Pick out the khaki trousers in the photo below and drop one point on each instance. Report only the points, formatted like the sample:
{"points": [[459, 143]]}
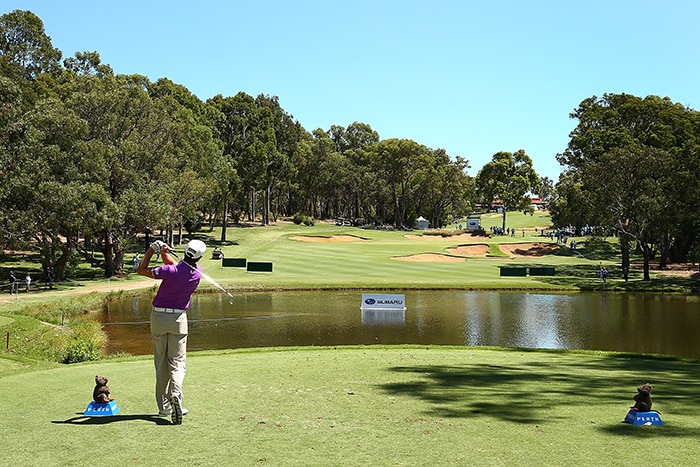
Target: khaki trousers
{"points": [[169, 333]]}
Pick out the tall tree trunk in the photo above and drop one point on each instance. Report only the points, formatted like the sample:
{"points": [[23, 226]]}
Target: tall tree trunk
{"points": [[625, 252], [109, 254], [266, 207], [647, 254], [119, 262], [665, 248], [253, 202], [225, 219], [61, 263], [148, 239], [114, 255], [397, 212]]}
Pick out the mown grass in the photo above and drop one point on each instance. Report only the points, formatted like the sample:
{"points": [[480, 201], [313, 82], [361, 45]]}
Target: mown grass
{"points": [[360, 406], [371, 262]]}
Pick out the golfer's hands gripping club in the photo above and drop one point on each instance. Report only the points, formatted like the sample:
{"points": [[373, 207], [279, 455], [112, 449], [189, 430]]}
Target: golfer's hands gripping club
{"points": [[158, 245]]}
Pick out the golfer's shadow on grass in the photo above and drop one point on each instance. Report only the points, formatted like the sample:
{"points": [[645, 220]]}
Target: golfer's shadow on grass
{"points": [[104, 420]]}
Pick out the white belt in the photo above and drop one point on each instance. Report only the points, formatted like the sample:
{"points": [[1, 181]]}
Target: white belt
{"points": [[168, 310]]}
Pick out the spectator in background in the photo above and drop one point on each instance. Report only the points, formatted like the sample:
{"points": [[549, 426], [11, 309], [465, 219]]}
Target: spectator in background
{"points": [[50, 276], [13, 283]]}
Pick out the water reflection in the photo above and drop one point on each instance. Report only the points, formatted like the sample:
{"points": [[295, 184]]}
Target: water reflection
{"points": [[594, 321], [384, 317]]}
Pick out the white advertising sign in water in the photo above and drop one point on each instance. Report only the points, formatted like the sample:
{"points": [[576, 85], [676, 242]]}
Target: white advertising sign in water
{"points": [[383, 301]]}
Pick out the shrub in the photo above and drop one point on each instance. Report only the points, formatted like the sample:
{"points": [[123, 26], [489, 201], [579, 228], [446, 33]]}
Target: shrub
{"points": [[87, 343], [80, 351], [300, 218]]}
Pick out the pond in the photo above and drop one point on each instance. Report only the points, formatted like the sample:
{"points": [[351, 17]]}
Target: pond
{"points": [[640, 323]]}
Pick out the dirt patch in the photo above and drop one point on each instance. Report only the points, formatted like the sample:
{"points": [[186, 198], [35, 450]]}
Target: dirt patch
{"points": [[671, 269], [664, 272], [141, 283], [529, 249], [479, 249], [451, 238], [333, 239], [431, 258]]}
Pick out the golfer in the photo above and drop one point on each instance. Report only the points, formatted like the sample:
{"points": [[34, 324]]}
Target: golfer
{"points": [[169, 321]]}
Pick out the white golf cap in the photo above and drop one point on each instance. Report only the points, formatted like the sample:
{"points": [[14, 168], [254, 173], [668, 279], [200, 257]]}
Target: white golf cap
{"points": [[195, 249]]}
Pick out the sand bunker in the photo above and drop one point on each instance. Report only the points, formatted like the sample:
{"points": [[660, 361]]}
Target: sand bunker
{"points": [[431, 257], [333, 239], [528, 249], [480, 249]]}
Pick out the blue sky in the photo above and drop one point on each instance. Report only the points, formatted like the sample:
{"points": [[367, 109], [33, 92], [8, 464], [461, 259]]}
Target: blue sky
{"points": [[472, 77]]}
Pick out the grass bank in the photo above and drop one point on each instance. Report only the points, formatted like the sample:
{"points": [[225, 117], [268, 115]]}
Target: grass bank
{"points": [[360, 406]]}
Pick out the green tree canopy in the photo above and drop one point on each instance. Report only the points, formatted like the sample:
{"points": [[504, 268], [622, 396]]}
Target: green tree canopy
{"points": [[621, 130], [509, 177], [25, 49]]}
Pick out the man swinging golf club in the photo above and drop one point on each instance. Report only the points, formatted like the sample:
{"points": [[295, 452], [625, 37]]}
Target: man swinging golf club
{"points": [[169, 321]]}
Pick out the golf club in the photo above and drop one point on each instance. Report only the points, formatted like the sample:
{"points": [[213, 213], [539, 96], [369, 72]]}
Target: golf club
{"points": [[204, 275]]}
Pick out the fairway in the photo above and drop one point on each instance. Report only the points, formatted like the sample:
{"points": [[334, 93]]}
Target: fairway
{"points": [[325, 256]]}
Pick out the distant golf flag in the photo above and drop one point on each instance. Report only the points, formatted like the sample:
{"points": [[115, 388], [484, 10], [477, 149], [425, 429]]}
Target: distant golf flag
{"points": [[383, 302]]}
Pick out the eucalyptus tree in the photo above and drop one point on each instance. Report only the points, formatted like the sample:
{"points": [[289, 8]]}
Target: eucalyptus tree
{"points": [[403, 165], [356, 136], [127, 134], [45, 198], [448, 193], [11, 131], [360, 135], [545, 190], [55, 194], [25, 53], [508, 177], [685, 184], [248, 137], [26, 50], [570, 204], [639, 127], [317, 163], [619, 120], [631, 191], [288, 134], [198, 156], [145, 144], [362, 191]]}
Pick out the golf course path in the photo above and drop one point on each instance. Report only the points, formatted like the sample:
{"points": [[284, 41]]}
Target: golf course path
{"points": [[84, 288]]}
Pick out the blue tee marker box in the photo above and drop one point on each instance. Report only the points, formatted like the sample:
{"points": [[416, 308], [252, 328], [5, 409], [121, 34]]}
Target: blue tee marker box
{"points": [[101, 410], [644, 418]]}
